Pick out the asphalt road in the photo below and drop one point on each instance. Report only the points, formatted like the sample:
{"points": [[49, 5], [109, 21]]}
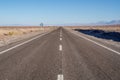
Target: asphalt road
{"points": [[59, 55]]}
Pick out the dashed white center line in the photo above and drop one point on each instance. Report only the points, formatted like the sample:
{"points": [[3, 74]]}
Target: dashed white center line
{"points": [[60, 34], [60, 39], [60, 47], [60, 77]]}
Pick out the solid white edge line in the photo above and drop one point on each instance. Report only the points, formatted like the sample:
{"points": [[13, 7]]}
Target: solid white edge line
{"points": [[60, 77], [60, 47], [99, 44], [21, 44]]}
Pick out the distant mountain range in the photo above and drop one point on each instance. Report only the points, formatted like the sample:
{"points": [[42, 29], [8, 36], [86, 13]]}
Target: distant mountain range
{"points": [[113, 22]]}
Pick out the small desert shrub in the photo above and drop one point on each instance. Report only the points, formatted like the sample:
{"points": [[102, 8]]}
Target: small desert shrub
{"points": [[5, 34], [31, 30], [10, 33], [24, 32]]}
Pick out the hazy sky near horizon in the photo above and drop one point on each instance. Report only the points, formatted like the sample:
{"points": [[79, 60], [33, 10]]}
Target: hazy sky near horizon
{"points": [[33, 12]]}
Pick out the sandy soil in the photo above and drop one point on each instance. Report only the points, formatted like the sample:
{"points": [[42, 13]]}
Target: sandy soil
{"points": [[115, 28], [12, 34]]}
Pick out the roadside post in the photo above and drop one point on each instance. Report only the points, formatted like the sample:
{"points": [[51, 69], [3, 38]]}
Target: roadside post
{"points": [[42, 26]]}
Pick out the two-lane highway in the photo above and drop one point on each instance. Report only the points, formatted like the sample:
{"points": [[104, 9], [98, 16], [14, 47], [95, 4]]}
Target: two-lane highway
{"points": [[59, 55]]}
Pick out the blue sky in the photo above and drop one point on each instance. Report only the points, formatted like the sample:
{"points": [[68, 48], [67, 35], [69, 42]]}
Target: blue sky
{"points": [[33, 12]]}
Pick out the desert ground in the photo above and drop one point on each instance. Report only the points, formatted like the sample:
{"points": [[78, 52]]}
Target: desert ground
{"points": [[109, 34], [9, 34], [115, 28]]}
